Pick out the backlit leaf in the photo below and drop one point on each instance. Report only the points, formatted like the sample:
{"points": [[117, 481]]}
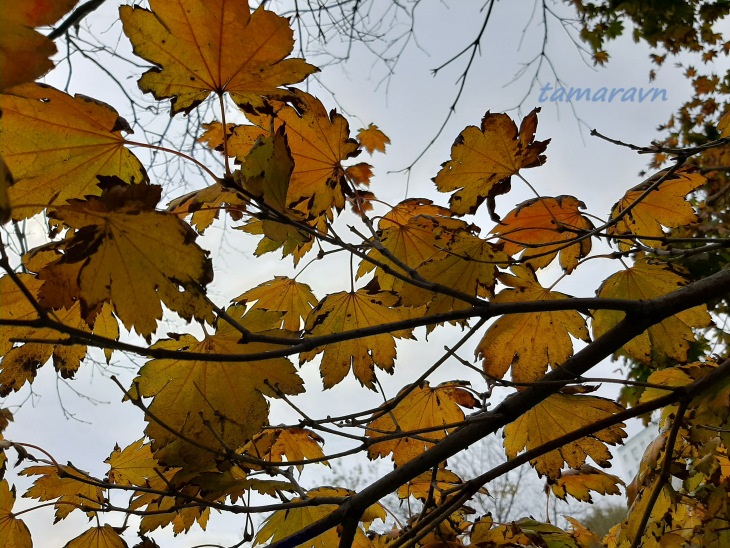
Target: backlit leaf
{"points": [[56, 146], [665, 206], [646, 280], [345, 311], [423, 407], [557, 416], [13, 531], [529, 343], [98, 537], [213, 402], [134, 465], [71, 494], [540, 221], [294, 299], [579, 483], [135, 257], [206, 204], [484, 159], [24, 52], [425, 485], [372, 139], [296, 444], [201, 47]]}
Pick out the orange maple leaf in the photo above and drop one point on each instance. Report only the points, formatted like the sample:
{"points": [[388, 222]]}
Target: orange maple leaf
{"points": [[372, 139]]}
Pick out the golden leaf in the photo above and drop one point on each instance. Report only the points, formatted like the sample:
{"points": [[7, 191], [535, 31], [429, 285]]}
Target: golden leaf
{"points": [[529, 343], [213, 46], [13, 531], [422, 408], [484, 159], [72, 494], [296, 444], [135, 257], [135, 465], [372, 139], [98, 537], [540, 221], [425, 485], [647, 280], [56, 146], [579, 483], [220, 405], [206, 204], [294, 299], [665, 206], [361, 309], [557, 416]]}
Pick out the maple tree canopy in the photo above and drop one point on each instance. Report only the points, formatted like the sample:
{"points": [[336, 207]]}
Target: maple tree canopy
{"points": [[123, 269]]}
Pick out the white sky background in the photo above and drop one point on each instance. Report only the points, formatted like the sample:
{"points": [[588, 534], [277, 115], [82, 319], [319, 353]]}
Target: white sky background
{"points": [[410, 113]]}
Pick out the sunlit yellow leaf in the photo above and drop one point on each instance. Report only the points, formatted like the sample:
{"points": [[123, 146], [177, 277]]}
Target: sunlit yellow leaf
{"points": [[98, 537], [529, 343], [579, 483], [56, 146], [557, 416], [202, 46], [294, 299], [372, 139], [296, 444], [484, 159], [423, 407], [71, 494], [132, 466], [13, 531], [649, 279]]}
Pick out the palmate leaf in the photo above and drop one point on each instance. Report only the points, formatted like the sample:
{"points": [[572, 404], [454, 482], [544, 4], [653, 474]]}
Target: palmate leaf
{"points": [[556, 416], [56, 146], [372, 139], [61, 486], [104, 536], [219, 46], [13, 531], [24, 52], [423, 407], [540, 221], [296, 444], [133, 256], [346, 311], [648, 279], [579, 483], [483, 159], [293, 299], [218, 404], [529, 343], [134, 465]]}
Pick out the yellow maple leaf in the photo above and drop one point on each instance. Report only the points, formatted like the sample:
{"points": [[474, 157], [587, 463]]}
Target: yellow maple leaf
{"points": [[56, 146], [372, 139], [206, 204], [484, 159], [213, 46], [467, 263], [345, 311], [557, 416], [665, 206], [423, 407], [724, 125], [540, 221], [412, 232], [13, 531], [529, 343], [211, 402], [296, 444], [282, 294], [72, 494], [283, 523], [135, 257], [104, 536], [648, 279], [425, 485], [24, 52], [134, 465], [579, 483]]}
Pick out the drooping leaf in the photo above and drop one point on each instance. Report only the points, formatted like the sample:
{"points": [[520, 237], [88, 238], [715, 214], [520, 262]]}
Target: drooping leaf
{"points": [[201, 47], [557, 416], [296, 444], [665, 206], [134, 465], [135, 257], [56, 146], [282, 294], [423, 407], [71, 494], [345, 311], [372, 139], [540, 221], [529, 343], [579, 483], [484, 159], [213, 402], [104, 536], [649, 279], [24, 52], [286, 522], [13, 531], [425, 485]]}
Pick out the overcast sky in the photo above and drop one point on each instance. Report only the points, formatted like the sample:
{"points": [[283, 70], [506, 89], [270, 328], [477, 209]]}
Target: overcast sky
{"points": [[410, 110]]}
